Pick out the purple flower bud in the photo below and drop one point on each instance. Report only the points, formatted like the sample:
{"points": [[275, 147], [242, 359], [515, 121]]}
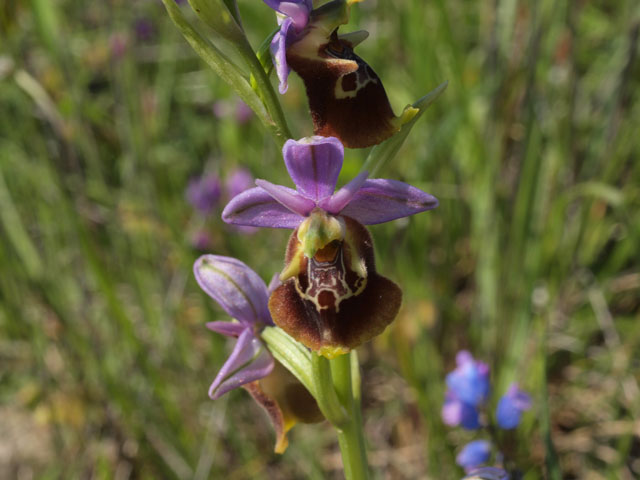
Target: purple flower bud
{"points": [[474, 454], [204, 192], [511, 406], [455, 412], [470, 380]]}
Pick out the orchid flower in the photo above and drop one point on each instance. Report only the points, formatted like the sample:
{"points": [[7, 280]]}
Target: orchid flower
{"points": [[243, 295], [346, 97], [332, 298]]}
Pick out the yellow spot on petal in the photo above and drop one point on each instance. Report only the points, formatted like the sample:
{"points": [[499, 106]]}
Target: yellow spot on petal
{"points": [[406, 116], [332, 351]]}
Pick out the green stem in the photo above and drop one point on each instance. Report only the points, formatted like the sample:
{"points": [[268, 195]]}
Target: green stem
{"points": [[328, 401], [350, 435], [268, 94]]}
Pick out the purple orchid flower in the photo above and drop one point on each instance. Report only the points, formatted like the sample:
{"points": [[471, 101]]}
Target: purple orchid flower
{"points": [[332, 299], [314, 164], [243, 295], [511, 406], [293, 17]]}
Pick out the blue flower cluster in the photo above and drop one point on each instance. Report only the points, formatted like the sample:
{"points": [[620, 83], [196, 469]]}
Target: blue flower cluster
{"points": [[468, 390]]}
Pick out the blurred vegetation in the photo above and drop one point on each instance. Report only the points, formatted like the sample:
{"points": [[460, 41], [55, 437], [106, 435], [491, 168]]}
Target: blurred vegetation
{"points": [[532, 260]]}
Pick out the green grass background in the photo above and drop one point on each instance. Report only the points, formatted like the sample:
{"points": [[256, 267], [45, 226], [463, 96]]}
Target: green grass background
{"points": [[532, 260]]}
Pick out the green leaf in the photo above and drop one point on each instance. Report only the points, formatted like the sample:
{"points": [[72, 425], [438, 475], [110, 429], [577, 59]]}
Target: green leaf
{"points": [[217, 15], [387, 150], [220, 63]]}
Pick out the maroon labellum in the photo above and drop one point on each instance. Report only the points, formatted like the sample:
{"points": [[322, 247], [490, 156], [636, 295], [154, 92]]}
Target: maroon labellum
{"points": [[335, 300], [346, 98]]}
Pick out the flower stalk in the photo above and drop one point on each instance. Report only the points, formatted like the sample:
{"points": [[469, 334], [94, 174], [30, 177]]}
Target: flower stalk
{"points": [[351, 434]]}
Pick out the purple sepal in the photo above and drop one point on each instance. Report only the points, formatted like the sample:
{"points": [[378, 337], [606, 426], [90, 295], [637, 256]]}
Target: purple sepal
{"points": [[382, 200], [256, 208], [238, 289], [278, 50], [474, 454], [288, 197], [470, 380], [249, 361], [229, 329], [455, 412], [314, 164], [510, 407]]}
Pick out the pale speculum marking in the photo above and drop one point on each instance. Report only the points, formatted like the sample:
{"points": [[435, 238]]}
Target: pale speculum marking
{"points": [[327, 283]]}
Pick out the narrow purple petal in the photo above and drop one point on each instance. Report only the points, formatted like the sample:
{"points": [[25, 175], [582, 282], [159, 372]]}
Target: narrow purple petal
{"points": [[278, 50], [314, 164], [229, 329], [336, 202], [256, 208], [288, 197], [238, 289], [382, 200], [249, 361]]}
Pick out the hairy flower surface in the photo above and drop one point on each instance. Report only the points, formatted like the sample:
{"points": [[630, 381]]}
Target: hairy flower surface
{"points": [[243, 295], [510, 407], [332, 298]]}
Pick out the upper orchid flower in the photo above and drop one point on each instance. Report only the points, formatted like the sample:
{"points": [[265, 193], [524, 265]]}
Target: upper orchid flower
{"points": [[243, 295], [332, 298], [346, 98], [293, 18]]}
